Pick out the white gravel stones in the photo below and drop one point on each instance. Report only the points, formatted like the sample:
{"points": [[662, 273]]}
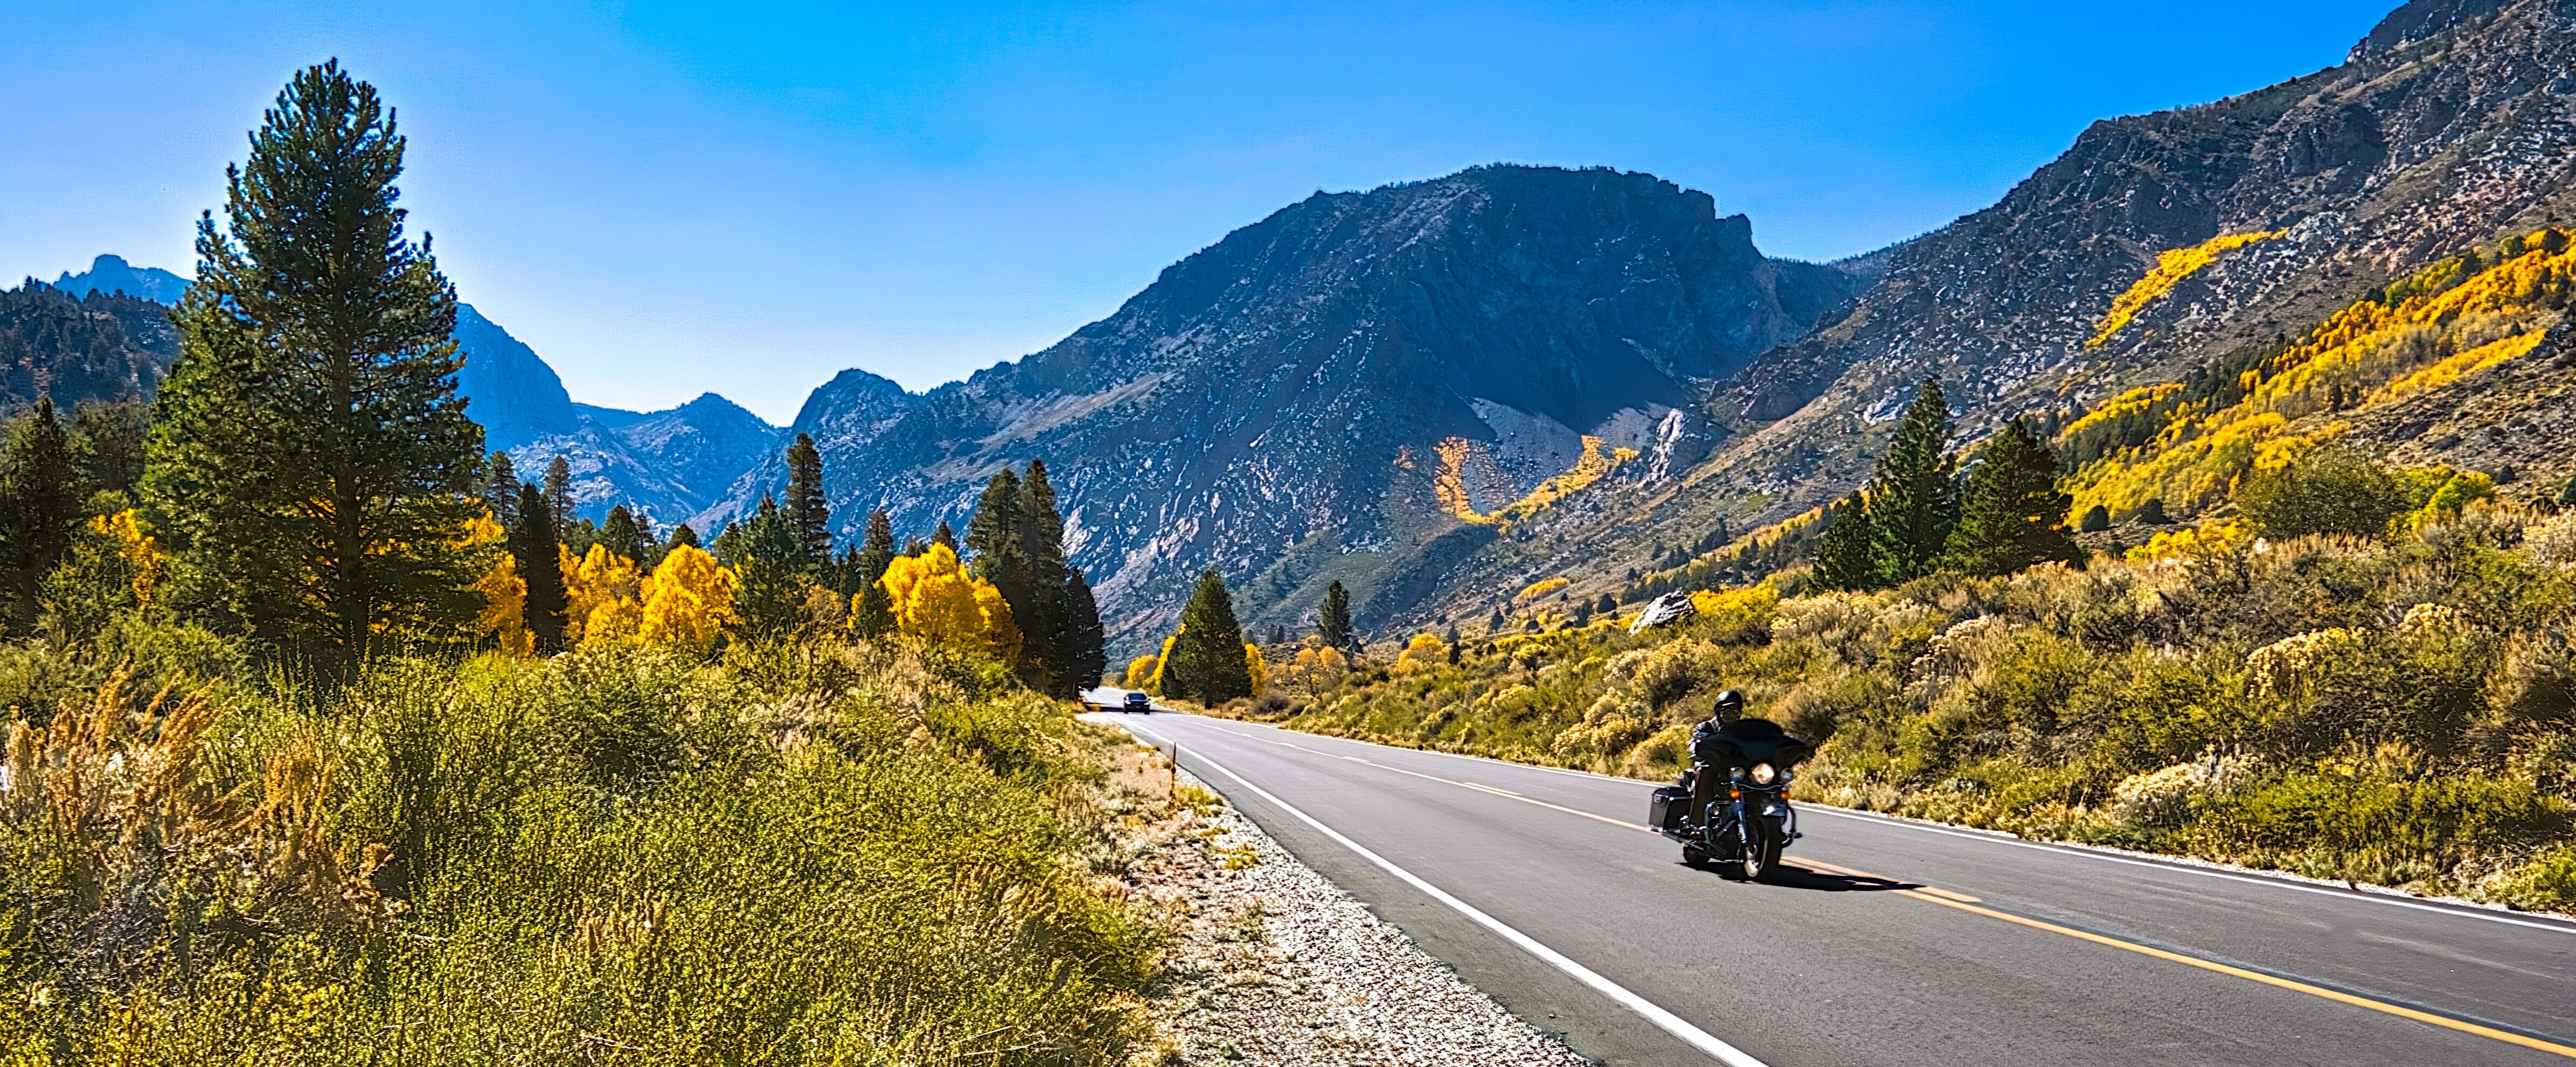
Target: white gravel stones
{"points": [[1272, 964]]}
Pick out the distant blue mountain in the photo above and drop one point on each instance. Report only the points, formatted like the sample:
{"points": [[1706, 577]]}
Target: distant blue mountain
{"points": [[112, 274], [666, 465]]}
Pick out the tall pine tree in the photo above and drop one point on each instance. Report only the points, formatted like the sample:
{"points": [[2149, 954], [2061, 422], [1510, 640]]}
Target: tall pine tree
{"points": [[1065, 620], [941, 536], [806, 509], [871, 610], [501, 489], [559, 496], [1333, 620], [2011, 514], [621, 534], [309, 452], [768, 559], [1914, 499], [1843, 554], [107, 443], [1085, 642], [533, 546], [1207, 662], [40, 506]]}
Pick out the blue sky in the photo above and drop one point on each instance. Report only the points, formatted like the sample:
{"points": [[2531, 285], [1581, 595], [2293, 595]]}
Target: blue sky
{"points": [[666, 199]]}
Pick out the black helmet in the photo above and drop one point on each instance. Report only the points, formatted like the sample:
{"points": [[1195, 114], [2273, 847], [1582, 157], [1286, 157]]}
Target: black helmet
{"points": [[1729, 706]]}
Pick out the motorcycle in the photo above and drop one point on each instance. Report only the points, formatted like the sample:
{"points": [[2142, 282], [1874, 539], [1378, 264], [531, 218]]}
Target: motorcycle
{"points": [[1749, 821]]}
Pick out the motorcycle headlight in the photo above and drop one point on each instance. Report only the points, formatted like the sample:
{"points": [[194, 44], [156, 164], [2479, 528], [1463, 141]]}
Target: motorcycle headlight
{"points": [[1765, 774]]}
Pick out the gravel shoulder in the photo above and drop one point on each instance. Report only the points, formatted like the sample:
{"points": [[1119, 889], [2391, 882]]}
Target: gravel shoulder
{"points": [[1271, 963]]}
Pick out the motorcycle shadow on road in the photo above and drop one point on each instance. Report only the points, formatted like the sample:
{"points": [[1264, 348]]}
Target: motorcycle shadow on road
{"points": [[1791, 876]]}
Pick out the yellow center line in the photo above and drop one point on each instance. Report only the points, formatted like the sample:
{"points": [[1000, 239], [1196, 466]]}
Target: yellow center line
{"points": [[1966, 903], [2399, 1010]]}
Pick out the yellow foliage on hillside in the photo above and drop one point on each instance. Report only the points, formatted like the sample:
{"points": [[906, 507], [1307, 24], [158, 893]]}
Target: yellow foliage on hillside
{"points": [[937, 601], [1542, 587], [1422, 653], [2132, 402], [1449, 485], [2172, 266], [2216, 538], [2423, 333]]}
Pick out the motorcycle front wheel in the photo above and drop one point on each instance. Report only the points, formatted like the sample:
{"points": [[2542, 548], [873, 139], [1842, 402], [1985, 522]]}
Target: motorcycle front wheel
{"points": [[1762, 847]]}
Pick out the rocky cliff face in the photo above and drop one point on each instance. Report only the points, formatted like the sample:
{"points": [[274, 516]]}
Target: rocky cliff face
{"points": [[1342, 389], [98, 346], [2453, 123]]}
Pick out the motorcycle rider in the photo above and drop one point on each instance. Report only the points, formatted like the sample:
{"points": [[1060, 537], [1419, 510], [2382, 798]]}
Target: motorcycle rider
{"points": [[1715, 769]]}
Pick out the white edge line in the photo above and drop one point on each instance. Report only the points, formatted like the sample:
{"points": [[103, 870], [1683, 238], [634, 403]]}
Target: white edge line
{"points": [[2465, 910], [1665, 1020]]}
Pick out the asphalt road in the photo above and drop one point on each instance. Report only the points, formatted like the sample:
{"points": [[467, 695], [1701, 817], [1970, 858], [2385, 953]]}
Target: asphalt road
{"points": [[1888, 942]]}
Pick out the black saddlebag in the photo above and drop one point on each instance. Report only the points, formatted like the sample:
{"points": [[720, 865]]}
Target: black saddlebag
{"points": [[1666, 810]]}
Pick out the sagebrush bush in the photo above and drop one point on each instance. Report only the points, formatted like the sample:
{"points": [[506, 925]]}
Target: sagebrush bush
{"points": [[846, 854]]}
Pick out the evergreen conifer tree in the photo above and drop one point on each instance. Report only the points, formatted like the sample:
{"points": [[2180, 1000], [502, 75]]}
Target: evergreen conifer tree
{"points": [[1333, 621], [681, 536], [2011, 514], [1049, 625], [1207, 661], [40, 507], [872, 613], [533, 545], [107, 443], [767, 557], [806, 507], [941, 536], [997, 540], [501, 489], [1914, 499], [876, 547], [1085, 643], [1843, 553], [621, 534], [309, 453], [559, 496]]}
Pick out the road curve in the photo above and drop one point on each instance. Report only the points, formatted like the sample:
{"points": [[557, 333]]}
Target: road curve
{"points": [[1888, 942]]}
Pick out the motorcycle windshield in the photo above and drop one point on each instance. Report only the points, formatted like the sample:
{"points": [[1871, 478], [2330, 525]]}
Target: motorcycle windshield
{"points": [[1750, 741]]}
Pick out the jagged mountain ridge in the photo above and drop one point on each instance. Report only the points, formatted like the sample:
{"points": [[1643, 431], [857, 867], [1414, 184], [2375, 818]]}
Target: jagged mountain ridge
{"points": [[106, 333], [2451, 125], [112, 274], [1274, 406]]}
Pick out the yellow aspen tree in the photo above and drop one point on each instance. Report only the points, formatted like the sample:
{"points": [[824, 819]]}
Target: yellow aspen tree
{"points": [[1252, 660], [1154, 683], [1141, 671], [504, 618], [936, 601], [688, 601], [142, 554], [600, 580]]}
